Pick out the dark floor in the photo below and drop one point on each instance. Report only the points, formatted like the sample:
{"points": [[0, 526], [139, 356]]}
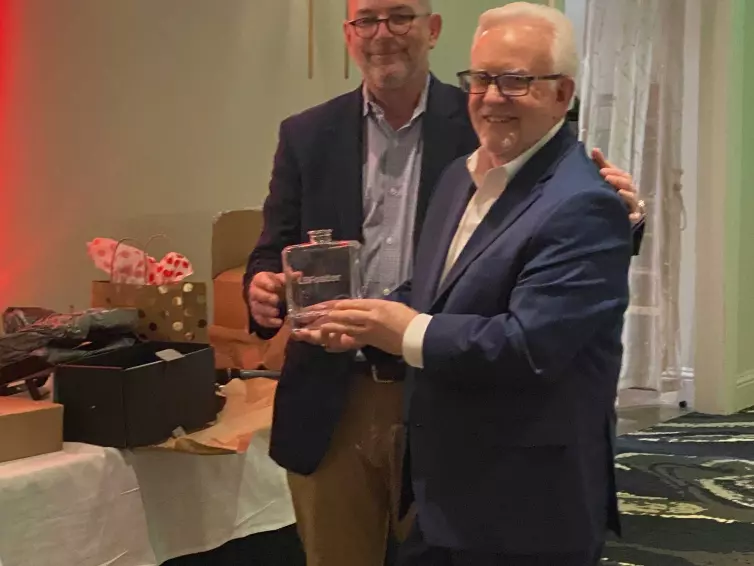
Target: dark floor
{"points": [[273, 548]]}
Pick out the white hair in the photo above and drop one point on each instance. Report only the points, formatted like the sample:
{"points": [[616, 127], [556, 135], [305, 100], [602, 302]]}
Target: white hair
{"points": [[565, 58]]}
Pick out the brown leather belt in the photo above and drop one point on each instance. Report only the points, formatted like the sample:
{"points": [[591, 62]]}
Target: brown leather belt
{"points": [[384, 372]]}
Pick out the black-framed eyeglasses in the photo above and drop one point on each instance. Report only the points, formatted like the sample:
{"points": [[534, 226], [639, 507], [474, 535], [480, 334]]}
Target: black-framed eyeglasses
{"points": [[509, 84], [397, 24]]}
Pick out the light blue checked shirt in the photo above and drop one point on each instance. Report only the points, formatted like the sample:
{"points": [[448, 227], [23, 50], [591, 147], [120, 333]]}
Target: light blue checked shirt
{"points": [[391, 175]]}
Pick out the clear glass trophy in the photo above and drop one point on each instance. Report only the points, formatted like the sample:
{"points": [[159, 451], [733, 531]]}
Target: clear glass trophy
{"points": [[319, 273]]}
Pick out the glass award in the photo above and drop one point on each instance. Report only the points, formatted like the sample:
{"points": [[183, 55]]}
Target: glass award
{"points": [[319, 273]]}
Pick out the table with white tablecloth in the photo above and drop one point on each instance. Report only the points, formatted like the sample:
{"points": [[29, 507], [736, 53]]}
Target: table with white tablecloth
{"points": [[93, 506]]}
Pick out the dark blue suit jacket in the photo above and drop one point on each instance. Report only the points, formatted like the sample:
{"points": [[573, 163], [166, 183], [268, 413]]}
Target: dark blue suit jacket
{"points": [[511, 421], [317, 184]]}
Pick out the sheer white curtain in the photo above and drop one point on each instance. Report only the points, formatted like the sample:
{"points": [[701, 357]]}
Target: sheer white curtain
{"points": [[631, 107]]}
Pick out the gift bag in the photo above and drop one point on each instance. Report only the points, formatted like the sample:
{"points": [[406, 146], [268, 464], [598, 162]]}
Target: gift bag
{"points": [[169, 308]]}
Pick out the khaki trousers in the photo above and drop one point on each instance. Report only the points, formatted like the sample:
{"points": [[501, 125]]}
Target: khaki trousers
{"points": [[346, 508]]}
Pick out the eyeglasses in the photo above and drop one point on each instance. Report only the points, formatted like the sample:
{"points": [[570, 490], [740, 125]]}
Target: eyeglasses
{"points": [[478, 82], [397, 24]]}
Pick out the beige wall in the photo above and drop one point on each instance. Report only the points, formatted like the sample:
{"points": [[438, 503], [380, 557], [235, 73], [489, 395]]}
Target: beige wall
{"points": [[130, 118], [138, 117]]}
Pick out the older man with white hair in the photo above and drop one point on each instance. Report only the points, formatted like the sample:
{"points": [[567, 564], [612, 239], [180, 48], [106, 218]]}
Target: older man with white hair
{"points": [[512, 322]]}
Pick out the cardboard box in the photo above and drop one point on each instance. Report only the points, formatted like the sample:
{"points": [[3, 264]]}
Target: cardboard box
{"points": [[29, 428], [138, 396], [229, 306], [234, 235]]}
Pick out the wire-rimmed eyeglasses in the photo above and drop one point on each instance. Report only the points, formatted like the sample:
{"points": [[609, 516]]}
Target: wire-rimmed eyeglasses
{"points": [[509, 84]]}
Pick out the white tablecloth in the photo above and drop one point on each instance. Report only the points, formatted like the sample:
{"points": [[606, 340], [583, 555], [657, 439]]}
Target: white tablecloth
{"points": [[92, 506]]}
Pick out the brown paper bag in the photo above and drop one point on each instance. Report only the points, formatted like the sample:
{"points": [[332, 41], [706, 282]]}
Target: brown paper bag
{"points": [[174, 313], [171, 312]]}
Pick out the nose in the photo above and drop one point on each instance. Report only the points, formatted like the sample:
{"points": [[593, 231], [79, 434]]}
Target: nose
{"points": [[382, 31], [493, 95]]}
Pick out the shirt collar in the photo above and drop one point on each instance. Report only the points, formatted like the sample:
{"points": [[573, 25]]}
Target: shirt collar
{"points": [[479, 167], [371, 105]]}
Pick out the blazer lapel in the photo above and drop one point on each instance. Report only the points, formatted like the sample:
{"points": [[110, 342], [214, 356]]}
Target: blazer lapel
{"points": [[347, 149], [440, 244], [520, 194]]}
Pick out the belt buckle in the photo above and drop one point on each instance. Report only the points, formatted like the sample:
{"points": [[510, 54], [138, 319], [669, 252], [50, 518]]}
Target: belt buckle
{"points": [[376, 375]]}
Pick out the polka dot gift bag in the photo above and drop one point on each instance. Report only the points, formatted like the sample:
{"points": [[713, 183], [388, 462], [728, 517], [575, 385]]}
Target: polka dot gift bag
{"points": [[170, 308]]}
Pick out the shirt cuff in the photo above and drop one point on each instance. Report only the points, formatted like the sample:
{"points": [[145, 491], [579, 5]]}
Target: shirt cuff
{"points": [[413, 340]]}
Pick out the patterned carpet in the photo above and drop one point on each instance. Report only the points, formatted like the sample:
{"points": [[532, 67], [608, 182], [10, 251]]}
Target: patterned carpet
{"points": [[687, 493]]}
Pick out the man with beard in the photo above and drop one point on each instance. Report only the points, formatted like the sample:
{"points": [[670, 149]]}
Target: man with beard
{"points": [[364, 165]]}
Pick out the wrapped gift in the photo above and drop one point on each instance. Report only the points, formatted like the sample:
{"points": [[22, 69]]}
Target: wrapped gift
{"points": [[169, 308]]}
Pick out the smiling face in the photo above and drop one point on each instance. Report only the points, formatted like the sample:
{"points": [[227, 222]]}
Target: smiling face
{"points": [[508, 126], [387, 60]]}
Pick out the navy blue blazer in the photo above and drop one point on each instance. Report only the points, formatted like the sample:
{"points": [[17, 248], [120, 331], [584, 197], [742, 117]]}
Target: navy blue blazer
{"points": [[317, 184], [511, 421]]}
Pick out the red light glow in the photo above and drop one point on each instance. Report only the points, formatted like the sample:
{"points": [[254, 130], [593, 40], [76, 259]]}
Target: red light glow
{"points": [[10, 257]]}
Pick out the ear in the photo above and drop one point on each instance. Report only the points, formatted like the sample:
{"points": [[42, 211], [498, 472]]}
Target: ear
{"points": [[348, 33], [565, 91], [435, 27]]}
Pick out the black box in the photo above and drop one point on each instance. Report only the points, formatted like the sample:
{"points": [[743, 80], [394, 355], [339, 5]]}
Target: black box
{"points": [[133, 397]]}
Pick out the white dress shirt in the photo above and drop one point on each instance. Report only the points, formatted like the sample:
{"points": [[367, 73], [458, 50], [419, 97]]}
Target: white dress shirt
{"points": [[490, 183]]}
